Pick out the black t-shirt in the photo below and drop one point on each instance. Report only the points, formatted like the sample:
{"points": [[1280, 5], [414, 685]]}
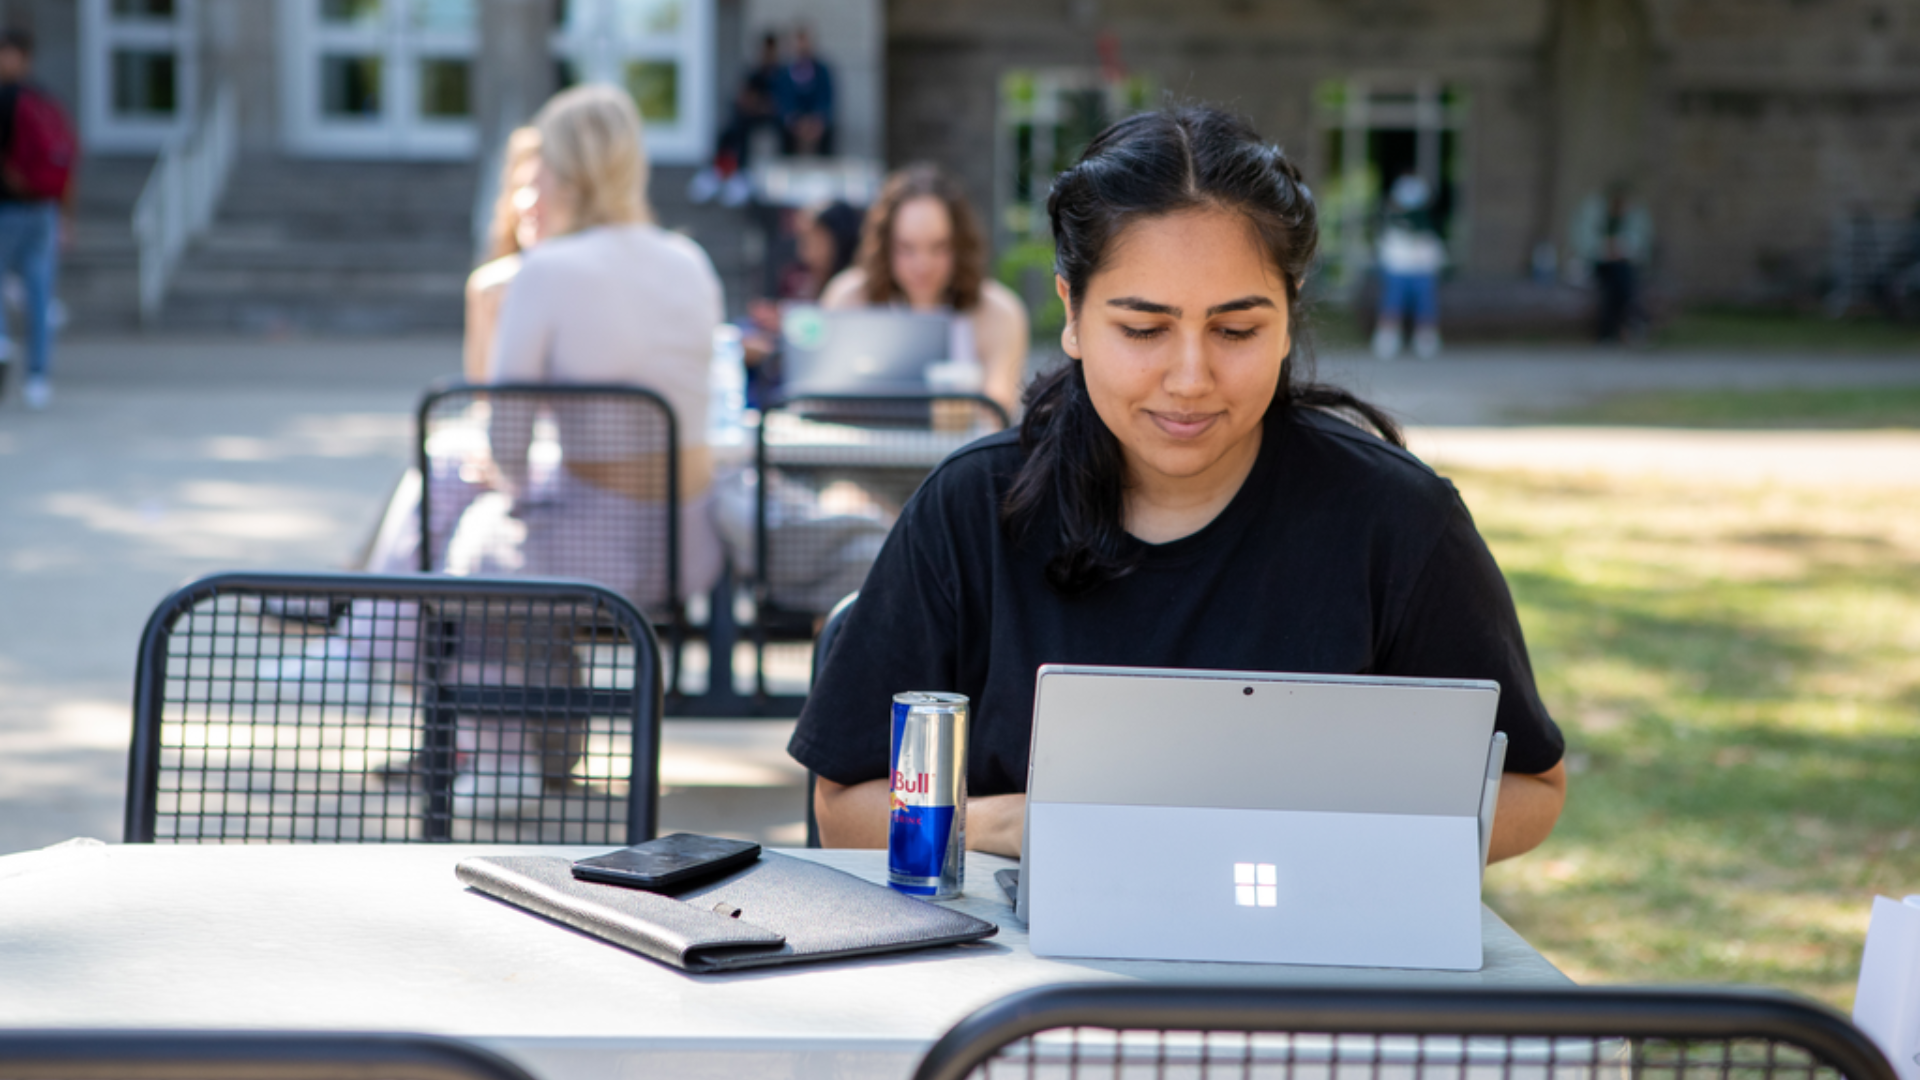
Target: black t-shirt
{"points": [[1339, 555]]}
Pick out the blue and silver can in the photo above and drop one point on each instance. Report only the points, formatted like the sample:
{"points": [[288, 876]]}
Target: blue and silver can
{"points": [[927, 835]]}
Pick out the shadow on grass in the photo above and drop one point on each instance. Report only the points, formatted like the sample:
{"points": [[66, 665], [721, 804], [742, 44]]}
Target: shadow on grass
{"points": [[1715, 653], [1816, 409]]}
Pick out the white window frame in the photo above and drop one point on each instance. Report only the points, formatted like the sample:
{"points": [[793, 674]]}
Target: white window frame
{"points": [[399, 132], [100, 35], [597, 52]]}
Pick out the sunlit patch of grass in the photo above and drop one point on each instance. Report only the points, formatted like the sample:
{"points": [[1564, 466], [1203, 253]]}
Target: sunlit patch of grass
{"points": [[1738, 674]]}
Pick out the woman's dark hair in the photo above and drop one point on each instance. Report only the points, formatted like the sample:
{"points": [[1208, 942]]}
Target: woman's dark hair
{"points": [[842, 222], [1151, 165]]}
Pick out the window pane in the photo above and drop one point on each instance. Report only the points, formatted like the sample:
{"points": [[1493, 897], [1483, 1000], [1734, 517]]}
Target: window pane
{"points": [[445, 89], [568, 15], [143, 9], [566, 72], [655, 86], [646, 18], [454, 15], [143, 83], [350, 87], [350, 11]]}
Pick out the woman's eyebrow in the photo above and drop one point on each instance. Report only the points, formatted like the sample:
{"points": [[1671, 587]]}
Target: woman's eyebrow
{"points": [[1148, 307], [1134, 303], [1245, 303]]}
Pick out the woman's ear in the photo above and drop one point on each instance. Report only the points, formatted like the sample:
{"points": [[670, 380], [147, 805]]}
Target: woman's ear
{"points": [[1070, 333]]}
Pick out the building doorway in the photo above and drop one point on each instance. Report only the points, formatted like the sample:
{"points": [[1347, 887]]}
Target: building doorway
{"points": [[1371, 135], [138, 72], [380, 78], [660, 51]]}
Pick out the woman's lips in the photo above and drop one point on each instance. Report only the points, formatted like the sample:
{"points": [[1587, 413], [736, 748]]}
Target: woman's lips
{"points": [[1184, 425]]}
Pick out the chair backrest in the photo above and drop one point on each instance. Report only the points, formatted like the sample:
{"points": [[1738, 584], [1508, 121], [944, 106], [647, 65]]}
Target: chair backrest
{"points": [[602, 461], [252, 1055], [355, 708], [829, 464], [1350, 1033], [822, 645]]}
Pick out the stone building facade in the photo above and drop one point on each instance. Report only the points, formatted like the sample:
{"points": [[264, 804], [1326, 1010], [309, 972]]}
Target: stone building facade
{"points": [[1749, 127], [1746, 126]]}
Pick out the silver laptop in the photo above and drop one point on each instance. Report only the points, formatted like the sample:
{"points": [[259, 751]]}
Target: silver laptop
{"points": [[1259, 817], [860, 352]]}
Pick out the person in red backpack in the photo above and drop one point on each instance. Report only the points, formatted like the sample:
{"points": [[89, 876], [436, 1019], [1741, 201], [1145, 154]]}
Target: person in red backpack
{"points": [[37, 155]]}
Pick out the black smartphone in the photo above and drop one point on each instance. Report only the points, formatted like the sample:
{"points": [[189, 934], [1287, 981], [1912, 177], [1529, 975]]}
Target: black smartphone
{"points": [[679, 859]]}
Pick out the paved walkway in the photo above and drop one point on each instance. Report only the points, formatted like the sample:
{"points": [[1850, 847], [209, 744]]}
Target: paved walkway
{"points": [[160, 461]]}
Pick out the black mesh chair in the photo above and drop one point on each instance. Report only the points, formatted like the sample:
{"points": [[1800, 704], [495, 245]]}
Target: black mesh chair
{"points": [[601, 464], [355, 708], [835, 472], [252, 1055], [823, 648], [1348, 1033]]}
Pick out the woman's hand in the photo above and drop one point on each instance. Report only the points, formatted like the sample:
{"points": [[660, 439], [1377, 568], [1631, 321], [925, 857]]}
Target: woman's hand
{"points": [[857, 816]]}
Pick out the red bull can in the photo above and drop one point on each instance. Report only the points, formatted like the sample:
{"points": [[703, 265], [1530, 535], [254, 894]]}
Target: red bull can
{"points": [[927, 835]]}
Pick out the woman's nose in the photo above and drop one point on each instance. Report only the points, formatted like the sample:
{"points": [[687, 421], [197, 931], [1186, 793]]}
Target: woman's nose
{"points": [[1190, 374]]}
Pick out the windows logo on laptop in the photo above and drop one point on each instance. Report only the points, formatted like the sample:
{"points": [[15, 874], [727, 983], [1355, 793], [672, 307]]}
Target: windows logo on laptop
{"points": [[1258, 817]]}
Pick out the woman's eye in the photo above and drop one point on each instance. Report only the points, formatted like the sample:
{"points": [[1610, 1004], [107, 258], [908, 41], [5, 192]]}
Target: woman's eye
{"points": [[1238, 334], [1140, 333]]}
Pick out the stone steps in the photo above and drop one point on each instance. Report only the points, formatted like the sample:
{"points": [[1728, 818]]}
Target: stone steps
{"points": [[332, 247]]}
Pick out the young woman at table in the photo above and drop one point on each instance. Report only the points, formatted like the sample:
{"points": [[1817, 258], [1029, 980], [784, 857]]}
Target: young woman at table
{"points": [[1178, 495], [921, 248]]}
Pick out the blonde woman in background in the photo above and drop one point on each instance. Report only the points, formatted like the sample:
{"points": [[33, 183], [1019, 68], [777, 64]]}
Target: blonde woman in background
{"points": [[607, 297], [922, 248], [395, 548]]}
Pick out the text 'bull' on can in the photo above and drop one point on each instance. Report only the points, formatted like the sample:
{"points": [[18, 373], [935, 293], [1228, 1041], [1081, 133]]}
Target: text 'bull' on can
{"points": [[927, 831]]}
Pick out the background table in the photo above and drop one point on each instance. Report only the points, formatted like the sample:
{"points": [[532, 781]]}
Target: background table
{"points": [[385, 938]]}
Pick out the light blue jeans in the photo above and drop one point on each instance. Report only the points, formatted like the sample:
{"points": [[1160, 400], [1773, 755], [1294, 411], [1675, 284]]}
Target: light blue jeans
{"points": [[30, 247]]}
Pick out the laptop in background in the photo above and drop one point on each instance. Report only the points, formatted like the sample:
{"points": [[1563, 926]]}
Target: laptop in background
{"points": [[1258, 817], [874, 351]]}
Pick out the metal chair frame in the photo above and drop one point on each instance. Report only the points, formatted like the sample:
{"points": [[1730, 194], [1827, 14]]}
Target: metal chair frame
{"points": [[763, 628], [1678, 1015], [249, 1055], [676, 621], [443, 698], [822, 649]]}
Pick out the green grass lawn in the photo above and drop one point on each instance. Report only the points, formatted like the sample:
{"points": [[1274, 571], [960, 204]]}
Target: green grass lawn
{"points": [[1738, 675], [1859, 407], [1784, 329]]}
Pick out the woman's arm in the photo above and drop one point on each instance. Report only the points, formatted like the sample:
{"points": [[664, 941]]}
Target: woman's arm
{"points": [[1529, 806], [857, 815], [848, 289], [1002, 336], [522, 338]]}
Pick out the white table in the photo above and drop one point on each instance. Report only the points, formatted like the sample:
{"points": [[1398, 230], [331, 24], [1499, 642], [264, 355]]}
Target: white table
{"points": [[385, 938]]}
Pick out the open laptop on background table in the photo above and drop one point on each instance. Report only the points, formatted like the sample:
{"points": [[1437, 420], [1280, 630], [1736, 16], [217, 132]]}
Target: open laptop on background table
{"points": [[1299, 819], [866, 351]]}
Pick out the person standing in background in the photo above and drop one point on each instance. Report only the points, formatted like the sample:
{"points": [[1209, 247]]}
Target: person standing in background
{"points": [[37, 155], [1613, 235], [1411, 255], [805, 93]]}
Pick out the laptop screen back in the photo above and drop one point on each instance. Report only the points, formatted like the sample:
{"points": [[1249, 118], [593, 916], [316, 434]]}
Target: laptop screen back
{"points": [[868, 351], [1357, 799]]}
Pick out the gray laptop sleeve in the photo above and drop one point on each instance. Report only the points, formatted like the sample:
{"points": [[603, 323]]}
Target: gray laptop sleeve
{"points": [[779, 910]]}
